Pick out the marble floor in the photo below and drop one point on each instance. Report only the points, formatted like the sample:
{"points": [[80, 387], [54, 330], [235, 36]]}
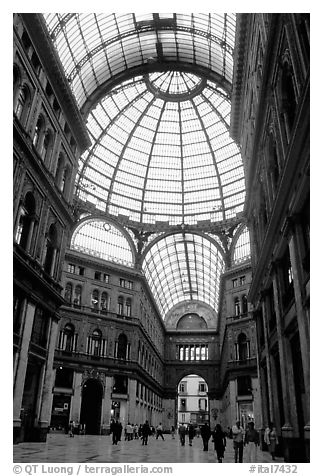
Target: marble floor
{"points": [[60, 448]]}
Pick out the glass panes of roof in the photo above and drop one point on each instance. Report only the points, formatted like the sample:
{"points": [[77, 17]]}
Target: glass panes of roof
{"points": [[242, 247], [161, 152], [182, 267], [102, 240], [94, 48]]}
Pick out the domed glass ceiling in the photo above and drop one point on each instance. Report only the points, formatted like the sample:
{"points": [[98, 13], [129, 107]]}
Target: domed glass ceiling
{"points": [[161, 152], [155, 91]]}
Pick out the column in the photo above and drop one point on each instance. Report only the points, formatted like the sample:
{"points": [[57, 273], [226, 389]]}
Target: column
{"points": [[302, 318], [265, 317], [283, 357], [106, 405], [76, 397], [47, 390], [132, 383], [19, 382]]}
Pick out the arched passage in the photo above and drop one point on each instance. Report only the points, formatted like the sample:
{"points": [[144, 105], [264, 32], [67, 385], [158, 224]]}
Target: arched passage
{"points": [[91, 406], [192, 401]]}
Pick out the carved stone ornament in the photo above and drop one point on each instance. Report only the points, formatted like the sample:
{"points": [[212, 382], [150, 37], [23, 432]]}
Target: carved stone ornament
{"points": [[93, 374]]}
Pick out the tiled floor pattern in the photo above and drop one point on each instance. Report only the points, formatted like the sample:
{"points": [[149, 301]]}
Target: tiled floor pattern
{"points": [[61, 448]]}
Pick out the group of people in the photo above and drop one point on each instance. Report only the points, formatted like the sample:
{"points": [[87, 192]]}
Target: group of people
{"points": [[218, 438], [244, 441], [133, 432], [250, 440]]}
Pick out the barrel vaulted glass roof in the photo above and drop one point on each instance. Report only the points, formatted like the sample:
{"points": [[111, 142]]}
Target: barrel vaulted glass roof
{"points": [[184, 266], [155, 91]]}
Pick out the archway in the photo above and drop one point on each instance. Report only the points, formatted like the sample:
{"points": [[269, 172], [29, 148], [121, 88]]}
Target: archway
{"points": [[91, 406], [192, 401]]}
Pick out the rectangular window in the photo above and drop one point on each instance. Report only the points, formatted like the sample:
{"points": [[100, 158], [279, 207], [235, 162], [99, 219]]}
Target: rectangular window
{"points": [[202, 404], [70, 268], [202, 387], [106, 278], [242, 280], [182, 387], [124, 283], [183, 404], [97, 275], [234, 283], [81, 271]]}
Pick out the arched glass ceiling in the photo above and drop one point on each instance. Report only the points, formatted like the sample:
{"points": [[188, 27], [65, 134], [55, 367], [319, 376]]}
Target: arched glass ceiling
{"points": [[95, 48], [103, 240], [183, 267], [161, 152]]}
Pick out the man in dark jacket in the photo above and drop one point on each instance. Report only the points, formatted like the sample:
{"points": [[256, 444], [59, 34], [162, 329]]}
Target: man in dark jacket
{"points": [[145, 432], [116, 430], [205, 434]]}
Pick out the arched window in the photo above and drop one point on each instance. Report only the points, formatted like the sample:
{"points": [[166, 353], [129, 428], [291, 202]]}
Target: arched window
{"points": [[120, 305], [78, 296], [45, 146], [104, 302], [24, 229], [39, 131], [95, 300], [236, 306], [122, 346], [128, 307], [59, 169], [64, 179], [69, 337], [243, 347], [68, 292], [22, 104], [244, 303], [51, 249], [97, 341]]}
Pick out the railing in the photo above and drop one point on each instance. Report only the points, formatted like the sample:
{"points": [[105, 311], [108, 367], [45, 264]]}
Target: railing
{"points": [[37, 267], [102, 312], [233, 364]]}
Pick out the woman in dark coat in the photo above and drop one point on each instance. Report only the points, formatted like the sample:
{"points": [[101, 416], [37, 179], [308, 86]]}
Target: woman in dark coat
{"points": [[219, 442]]}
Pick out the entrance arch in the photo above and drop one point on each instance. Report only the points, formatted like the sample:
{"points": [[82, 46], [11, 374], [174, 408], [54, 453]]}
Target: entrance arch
{"points": [[91, 406], [192, 401]]}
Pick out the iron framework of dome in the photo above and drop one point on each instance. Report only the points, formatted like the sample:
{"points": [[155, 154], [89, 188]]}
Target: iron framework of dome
{"points": [[161, 151], [155, 92]]}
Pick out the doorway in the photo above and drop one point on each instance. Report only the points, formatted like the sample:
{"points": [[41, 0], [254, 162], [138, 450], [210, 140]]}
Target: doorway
{"points": [[91, 407]]}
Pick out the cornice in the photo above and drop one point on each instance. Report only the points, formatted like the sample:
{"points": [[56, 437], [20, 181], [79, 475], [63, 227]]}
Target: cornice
{"points": [[240, 63], [54, 69]]}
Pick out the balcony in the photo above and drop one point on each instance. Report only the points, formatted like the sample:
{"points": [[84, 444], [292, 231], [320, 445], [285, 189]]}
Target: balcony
{"points": [[241, 364]]}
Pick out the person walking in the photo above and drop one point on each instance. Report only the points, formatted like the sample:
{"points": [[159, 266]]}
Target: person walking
{"points": [[205, 434], [219, 441], [115, 431], [129, 432], [145, 431], [172, 432], [71, 428], [182, 433], [135, 432], [191, 433], [271, 439], [251, 443], [237, 436], [159, 431]]}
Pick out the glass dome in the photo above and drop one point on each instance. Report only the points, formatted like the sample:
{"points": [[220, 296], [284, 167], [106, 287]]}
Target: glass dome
{"points": [[161, 152]]}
